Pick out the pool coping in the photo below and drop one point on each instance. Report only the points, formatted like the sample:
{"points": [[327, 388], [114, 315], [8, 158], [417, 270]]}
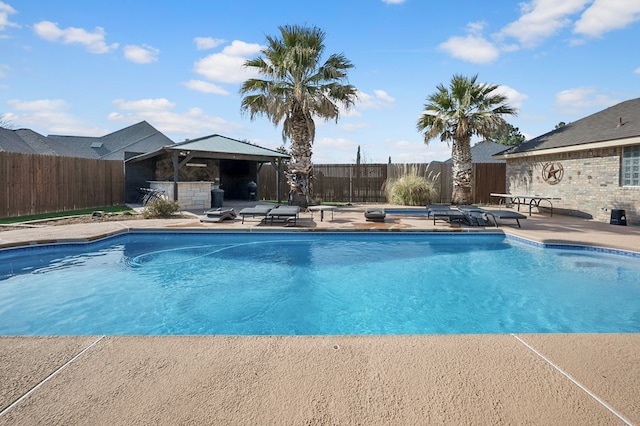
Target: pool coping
{"points": [[453, 232]]}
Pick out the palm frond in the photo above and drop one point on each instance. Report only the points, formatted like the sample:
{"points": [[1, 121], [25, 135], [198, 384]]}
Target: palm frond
{"points": [[463, 109], [293, 77]]}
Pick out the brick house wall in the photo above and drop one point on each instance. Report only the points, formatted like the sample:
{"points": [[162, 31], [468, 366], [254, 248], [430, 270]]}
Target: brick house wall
{"points": [[590, 186]]}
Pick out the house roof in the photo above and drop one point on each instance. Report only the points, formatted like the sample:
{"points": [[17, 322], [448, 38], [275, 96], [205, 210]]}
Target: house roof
{"points": [[27, 141], [220, 147], [136, 142], [133, 140], [130, 141], [482, 152], [619, 124]]}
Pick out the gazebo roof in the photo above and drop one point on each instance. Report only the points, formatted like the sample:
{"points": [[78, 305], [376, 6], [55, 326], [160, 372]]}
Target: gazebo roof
{"points": [[217, 147]]}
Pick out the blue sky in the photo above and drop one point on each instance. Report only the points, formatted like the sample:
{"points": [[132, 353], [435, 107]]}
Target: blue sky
{"points": [[92, 67]]}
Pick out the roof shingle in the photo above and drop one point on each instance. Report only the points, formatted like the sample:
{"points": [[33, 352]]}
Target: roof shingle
{"points": [[621, 121]]}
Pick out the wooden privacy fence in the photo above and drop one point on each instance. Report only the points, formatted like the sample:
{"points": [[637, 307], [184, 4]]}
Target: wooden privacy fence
{"points": [[364, 183], [34, 184]]}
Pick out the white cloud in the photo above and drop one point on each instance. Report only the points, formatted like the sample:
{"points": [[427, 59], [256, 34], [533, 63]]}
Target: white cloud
{"points": [[141, 54], [49, 116], [338, 150], [204, 43], [541, 19], [384, 96], [94, 41], [637, 70], [205, 87], [39, 105], [393, 1], [193, 122], [227, 66], [579, 100], [607, 15], [416, 151], [334, 150], [159, 104], [5, 11], [379, 99], [514, 98], [472, 48], [350, 127]]}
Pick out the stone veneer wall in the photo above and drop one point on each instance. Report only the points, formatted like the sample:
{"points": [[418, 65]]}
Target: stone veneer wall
{"points": [[590, 187], [191, 195]]}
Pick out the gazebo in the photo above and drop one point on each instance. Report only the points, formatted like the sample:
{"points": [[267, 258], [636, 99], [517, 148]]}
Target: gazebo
{"points": [[189, 171]]}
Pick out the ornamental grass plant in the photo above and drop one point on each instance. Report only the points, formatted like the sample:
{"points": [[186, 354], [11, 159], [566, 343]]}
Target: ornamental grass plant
{"points": [[411, 189]]}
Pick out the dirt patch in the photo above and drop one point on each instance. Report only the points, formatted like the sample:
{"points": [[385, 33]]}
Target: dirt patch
{"points": [[79, 219]]}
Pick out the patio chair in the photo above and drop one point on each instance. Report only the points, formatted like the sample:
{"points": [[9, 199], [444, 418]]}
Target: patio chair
{"points": [[437, 207], [474, 216], [258, 210], [375, 214], [287, 213], [504, 214], [445, 213], [218, 215], [148, 195]]}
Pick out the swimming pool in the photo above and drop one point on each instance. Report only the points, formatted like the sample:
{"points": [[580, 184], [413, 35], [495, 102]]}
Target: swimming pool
{"points": [[310, 283]]}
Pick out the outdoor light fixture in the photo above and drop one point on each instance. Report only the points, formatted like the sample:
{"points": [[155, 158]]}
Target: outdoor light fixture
{"points": [[196, 165]]}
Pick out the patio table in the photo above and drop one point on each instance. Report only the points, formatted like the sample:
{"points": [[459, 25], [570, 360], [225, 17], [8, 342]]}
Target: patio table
{"points": [[322, 209], [534, 200]]}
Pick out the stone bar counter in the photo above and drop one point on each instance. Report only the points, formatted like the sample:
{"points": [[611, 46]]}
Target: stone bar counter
{"points": [[191, 195]]}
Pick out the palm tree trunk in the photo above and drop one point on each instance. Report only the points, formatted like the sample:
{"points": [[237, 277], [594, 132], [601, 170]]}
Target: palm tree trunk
{"points": [[300, 170], [462, 170]]}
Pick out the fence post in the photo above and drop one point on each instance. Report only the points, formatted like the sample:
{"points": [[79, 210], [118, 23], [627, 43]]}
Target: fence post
{"points": [[350, 185]]}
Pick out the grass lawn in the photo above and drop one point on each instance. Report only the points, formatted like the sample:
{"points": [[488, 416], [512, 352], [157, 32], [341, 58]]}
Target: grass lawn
{"points": [[110, 209]]}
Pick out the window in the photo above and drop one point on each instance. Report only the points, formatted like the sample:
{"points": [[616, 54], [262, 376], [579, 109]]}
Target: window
{"points": [[631, 166]]}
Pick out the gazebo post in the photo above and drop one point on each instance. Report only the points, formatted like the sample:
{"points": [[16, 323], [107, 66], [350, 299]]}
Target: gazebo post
{"points": [[278, 177], [176, 167]]}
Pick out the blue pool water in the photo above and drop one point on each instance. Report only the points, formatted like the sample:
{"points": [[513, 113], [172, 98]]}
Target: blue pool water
{"points": [[315, 283]]}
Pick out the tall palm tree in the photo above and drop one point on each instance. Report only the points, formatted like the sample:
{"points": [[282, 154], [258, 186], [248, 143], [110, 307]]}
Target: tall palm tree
{"points": [[297, 87], [457, 113]]}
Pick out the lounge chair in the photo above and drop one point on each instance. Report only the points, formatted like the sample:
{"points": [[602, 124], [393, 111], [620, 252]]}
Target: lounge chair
{"points": [[286, 213], [445, 213], [504, 214], [375, 214], [474, 216], [437, 207], [259, 210], [218, 215]]}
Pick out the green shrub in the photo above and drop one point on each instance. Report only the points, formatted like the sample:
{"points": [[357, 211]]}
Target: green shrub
{"points": [[410, 190], [160, 208]]}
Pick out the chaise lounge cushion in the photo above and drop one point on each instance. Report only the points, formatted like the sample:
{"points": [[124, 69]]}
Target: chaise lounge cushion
{"points": [[444, 212], [287, 213], [432, 208], [218, 215], [375, 214], [474, 216], [504, 214], [258, 210]]}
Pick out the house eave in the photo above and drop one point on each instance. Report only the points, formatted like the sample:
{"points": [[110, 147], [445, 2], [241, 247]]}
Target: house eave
{"points": [[572, 148]]}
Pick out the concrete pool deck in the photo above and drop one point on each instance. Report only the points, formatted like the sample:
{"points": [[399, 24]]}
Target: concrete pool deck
{"points": [[248, 380]]}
